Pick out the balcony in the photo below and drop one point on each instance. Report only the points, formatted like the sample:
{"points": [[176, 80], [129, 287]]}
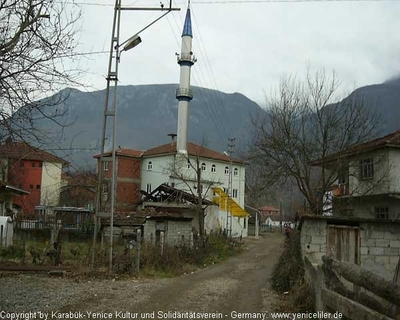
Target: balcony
{"points": [[341, 190], [184, 93], [186, 57]]}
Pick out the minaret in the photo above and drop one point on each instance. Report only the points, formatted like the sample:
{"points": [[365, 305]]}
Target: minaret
{"points": [[186, 59]]}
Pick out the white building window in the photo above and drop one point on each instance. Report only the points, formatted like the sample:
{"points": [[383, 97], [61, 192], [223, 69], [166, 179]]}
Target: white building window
{"points": [[236, 172], [105, 165], [203, 167], [150, 165], [234, 193], [213, 168], [148, 188], [226, 170], [382, 213], [367, 168]]}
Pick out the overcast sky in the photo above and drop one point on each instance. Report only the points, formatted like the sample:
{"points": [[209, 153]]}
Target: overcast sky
{"points": [[247, 47]]}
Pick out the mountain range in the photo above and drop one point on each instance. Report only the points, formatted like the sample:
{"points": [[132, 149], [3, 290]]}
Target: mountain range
{"points": [[148, 113]]}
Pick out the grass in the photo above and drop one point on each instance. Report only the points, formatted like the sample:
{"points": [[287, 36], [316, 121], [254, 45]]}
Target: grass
{"points": [[174, 261]]}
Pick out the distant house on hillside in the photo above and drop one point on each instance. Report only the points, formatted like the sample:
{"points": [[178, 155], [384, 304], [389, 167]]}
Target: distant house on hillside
{"points": [[268, 211], [368, 183], [33, 170]]}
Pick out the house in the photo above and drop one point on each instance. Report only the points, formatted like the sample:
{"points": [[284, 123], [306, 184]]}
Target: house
{"points": [[368, 181], [78, 190], [163, 167], [172, 227], [128, 178], [34, 170], [268, 211], [222, 180]]}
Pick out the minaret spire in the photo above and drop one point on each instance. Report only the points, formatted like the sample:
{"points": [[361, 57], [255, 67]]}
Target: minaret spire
{"points": [[186, 59]]}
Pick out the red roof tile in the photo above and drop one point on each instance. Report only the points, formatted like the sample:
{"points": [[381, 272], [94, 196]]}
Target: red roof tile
{"points": [[21, 150], [193, 150], [133, 153], [390, 140], [268, 208]]}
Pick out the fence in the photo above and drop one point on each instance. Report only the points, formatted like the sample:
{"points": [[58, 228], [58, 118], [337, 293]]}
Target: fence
{"points": [[353, 291]]}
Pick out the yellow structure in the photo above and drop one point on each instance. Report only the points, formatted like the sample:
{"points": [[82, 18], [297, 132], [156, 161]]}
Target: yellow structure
{"points": [[226, 203]]}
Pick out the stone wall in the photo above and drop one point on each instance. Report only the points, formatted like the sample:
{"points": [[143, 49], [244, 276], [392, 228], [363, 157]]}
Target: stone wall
{"points": [[176, 232], [313, 239], [379, 242], [380, 248]]}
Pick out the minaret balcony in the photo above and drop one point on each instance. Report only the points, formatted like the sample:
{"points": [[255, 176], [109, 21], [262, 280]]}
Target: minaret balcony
{"points": [[184, 93], [186, 57]]}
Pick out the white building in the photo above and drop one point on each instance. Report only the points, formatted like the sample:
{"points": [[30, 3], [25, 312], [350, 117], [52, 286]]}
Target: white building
{"points": [[369, 179], [165, 165]]}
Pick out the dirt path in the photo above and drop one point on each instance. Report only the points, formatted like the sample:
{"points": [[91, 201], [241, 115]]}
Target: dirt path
{"points": [[239, 284]]}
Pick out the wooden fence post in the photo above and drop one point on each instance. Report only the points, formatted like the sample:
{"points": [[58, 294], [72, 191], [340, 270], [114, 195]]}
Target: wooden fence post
{"points": [[138, 243]]}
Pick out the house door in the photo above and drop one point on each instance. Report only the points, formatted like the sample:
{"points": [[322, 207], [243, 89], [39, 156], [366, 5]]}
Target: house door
{"points": [[343, 244]]}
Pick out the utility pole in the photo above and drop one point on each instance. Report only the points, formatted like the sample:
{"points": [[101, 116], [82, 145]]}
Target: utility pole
{"points": [[231, 147], [110, 117]]}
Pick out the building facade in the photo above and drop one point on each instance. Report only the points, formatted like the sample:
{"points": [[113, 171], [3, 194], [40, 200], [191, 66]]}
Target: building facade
{"points": [[33, 170]]}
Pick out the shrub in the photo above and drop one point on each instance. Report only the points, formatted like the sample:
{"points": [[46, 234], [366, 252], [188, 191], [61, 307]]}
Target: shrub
{"points": [[289, 268]]}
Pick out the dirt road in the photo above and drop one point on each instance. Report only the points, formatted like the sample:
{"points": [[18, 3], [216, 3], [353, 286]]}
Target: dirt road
{"points": [[239, 284]]}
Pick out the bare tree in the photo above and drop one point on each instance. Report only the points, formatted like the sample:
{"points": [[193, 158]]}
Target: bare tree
{"points": [[304, 123], [187, 171], [37, 43]]}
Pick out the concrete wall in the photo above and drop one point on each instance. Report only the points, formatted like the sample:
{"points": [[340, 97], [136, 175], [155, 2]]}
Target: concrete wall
{"points": [[176, 232], [379, 245], [380, 248], [379, 184], [51, 184], [364, 207], [313, 239]]}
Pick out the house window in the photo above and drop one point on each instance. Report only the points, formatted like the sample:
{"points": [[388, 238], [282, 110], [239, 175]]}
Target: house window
{"points": [[226, 170], [105, 166], [225, 190], [38, 187], [105, 188], [234, 193], [148, 187], [236, 172], [31, 187], [150, 165], [382, 213], [367, 168], [32, 164], [213, 168], [203, 166], [40, 165], [21, 164]]}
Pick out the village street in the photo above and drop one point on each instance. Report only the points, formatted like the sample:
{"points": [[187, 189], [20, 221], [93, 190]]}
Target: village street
{"points": [[239, 284]]}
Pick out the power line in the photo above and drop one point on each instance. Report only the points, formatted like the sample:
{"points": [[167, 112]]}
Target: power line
{"points": [[283, 1]]}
